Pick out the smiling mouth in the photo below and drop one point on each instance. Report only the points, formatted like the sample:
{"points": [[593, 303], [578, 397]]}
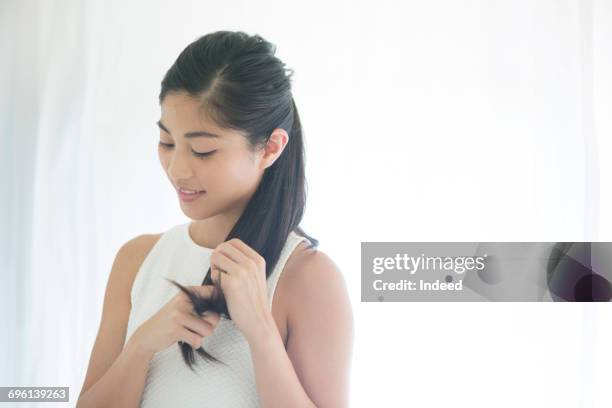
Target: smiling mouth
{"points": [[192, 192]]}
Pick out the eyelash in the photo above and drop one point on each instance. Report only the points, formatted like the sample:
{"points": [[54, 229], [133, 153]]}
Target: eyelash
{"points": [[197, 154]]}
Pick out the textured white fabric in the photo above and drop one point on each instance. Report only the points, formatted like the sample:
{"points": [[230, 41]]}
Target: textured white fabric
{"points": [[169, 382]]}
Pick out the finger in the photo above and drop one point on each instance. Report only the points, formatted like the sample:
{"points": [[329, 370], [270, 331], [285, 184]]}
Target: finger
{"points": [[206, 291], [214, 274], [230, 250], [226, 281], [194, 339], [197, 325], [181, 299], [247, 250], [221, 261], [211, 317]]}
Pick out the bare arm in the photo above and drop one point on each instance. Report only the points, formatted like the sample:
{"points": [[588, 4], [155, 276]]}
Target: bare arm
{"points": [[116, 374], [122, 384], [314, 369]]}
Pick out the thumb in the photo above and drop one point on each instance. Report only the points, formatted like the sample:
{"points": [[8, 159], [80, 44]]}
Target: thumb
{"points": [[206, 291], [215, 275]]}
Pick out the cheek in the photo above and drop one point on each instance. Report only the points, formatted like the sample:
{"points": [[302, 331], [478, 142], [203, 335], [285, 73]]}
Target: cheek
{"points": [[163, 159], [237, 174]]}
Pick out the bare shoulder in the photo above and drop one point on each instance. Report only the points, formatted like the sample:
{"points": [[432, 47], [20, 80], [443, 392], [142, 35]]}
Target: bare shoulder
{"points": [[313, 281], [310, 265], [136, 249], [130, 257]]}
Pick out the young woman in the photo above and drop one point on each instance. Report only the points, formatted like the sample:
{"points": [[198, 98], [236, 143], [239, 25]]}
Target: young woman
{"points": [[241, 284]]}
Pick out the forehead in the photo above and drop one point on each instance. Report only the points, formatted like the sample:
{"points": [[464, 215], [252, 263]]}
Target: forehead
{"points": [[181, 113]]}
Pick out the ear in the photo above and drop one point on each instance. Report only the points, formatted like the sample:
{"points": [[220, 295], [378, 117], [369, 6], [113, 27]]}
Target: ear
{"points": [[274, 147]]}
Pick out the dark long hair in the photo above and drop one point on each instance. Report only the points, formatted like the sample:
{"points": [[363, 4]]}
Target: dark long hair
{"points": [[242, 85]]}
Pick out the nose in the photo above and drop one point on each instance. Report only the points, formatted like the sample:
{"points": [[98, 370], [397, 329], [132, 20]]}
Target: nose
{"points": [[178, 167]]}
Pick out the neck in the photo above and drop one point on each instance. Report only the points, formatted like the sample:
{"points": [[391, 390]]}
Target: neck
{"points": [[211, 232]]}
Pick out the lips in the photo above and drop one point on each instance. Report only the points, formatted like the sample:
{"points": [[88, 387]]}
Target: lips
{"points": [[188, 191], [189, 195]]}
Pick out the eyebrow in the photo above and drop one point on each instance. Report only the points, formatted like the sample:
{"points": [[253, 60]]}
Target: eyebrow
{"points": [[189, 134]]}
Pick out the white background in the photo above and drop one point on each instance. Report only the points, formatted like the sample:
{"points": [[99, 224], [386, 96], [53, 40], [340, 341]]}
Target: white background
{"points": [[424, 121]]}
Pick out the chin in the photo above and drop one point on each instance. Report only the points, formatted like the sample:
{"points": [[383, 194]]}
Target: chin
{"points": [[195, 214]]}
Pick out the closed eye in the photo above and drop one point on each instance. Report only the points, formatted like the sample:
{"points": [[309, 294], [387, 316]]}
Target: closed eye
{"points": [[197, 154]]}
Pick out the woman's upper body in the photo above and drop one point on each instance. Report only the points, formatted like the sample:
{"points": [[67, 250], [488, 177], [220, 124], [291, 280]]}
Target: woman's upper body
{"points": [[309, 304], [231, 145]]}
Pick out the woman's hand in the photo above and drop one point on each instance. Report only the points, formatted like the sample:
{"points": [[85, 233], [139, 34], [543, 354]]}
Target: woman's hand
{"points": [[241, 272], [176, 321]]}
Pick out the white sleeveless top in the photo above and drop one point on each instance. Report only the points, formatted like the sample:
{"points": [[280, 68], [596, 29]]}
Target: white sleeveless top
{"points": [[169, 382]]}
